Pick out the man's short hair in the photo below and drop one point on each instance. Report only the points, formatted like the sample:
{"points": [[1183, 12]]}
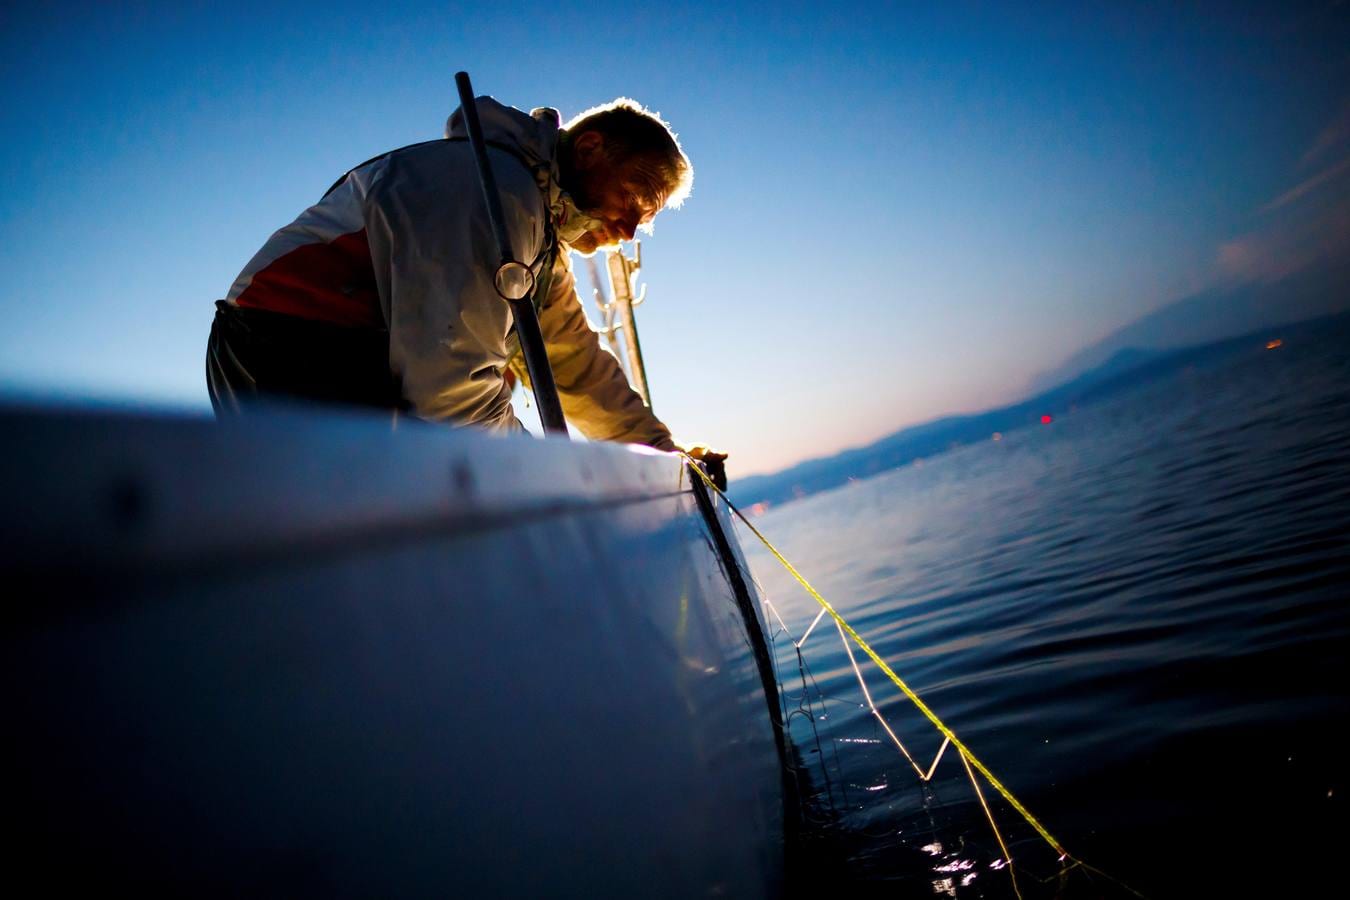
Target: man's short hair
{"points": [[641, 138]]}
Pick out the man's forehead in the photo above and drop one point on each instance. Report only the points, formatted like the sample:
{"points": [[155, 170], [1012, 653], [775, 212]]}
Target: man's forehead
{"points": [[646, 196], [647, 205]]}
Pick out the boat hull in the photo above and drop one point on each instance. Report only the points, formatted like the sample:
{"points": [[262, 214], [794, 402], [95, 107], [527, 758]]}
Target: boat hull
{"points": [[305, 654]]}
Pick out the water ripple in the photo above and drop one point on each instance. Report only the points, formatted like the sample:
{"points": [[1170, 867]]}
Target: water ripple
{"points": [[1137, 617]]}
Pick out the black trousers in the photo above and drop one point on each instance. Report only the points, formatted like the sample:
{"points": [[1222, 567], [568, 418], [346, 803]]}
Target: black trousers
{"points": [[255, 355]]}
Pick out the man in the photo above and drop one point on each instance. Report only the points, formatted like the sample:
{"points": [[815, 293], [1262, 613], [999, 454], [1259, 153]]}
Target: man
{"points": [[382, 294]]}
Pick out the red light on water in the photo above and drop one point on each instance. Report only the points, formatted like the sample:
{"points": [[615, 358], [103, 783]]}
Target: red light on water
{"points": [[1047, 419]]}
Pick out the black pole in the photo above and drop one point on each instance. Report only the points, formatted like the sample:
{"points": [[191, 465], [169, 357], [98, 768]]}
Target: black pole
{"points": [[759, 647], [512, 276]]}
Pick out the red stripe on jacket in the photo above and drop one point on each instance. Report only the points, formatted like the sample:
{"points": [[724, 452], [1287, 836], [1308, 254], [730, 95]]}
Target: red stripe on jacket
{"points": [[331, 282]]}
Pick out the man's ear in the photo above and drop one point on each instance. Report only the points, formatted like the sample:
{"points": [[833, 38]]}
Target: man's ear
{"points": [[588, 149]]}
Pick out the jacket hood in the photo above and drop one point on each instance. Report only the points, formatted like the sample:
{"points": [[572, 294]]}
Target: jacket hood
{"points": [[535, 136]]}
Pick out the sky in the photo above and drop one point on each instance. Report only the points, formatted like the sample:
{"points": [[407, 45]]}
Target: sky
{"points": [[899, 212]]}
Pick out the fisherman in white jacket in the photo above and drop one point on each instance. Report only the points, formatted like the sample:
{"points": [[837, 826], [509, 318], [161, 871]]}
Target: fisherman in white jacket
{"points": [[382, 293]]}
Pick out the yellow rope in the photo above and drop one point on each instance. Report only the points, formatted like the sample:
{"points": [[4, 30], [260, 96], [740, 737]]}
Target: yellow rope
{"points": [[898, 681]]}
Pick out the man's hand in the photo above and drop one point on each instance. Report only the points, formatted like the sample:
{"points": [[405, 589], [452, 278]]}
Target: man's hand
{"points": [[713, 460]]}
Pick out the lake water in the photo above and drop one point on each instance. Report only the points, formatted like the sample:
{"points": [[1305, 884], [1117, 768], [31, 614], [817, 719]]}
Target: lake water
{"points": [[1136, 616]]}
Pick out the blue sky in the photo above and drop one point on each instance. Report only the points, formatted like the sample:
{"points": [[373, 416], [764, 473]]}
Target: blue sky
{"points": [[899, 212]]}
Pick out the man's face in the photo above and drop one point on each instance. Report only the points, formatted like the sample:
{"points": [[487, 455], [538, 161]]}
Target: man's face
{"points": [[604, 191]]}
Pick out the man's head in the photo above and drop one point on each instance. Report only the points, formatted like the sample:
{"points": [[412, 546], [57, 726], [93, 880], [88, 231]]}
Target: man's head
{"points": [[622, 165]]}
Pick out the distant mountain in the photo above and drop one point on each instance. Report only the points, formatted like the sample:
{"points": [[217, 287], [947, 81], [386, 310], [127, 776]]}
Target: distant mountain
{"points": [[1215, 315], [1121, 361], [1127, 367]]}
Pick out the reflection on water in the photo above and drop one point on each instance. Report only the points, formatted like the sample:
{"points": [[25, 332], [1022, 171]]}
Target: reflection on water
{"points": [[1135, 616]]}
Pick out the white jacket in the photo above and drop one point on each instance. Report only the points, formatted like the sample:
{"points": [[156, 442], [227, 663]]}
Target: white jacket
{"points": [[403, 243]]}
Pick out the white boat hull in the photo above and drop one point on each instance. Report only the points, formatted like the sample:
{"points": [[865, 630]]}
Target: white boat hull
{"points": [[295, 654]]}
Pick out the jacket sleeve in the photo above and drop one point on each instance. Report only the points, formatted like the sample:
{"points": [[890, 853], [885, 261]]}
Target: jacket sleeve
{"points": [[595, 394], [434, 258]]}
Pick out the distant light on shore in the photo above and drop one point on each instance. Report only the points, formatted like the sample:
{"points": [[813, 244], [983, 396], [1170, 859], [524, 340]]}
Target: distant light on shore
{"points": [[1047, 419], [1271, 345]]}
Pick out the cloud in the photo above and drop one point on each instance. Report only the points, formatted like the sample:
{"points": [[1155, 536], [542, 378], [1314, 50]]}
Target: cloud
{"points": [[1294, 243], [1308, 185], [1305, 225], [1335, 134]]}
